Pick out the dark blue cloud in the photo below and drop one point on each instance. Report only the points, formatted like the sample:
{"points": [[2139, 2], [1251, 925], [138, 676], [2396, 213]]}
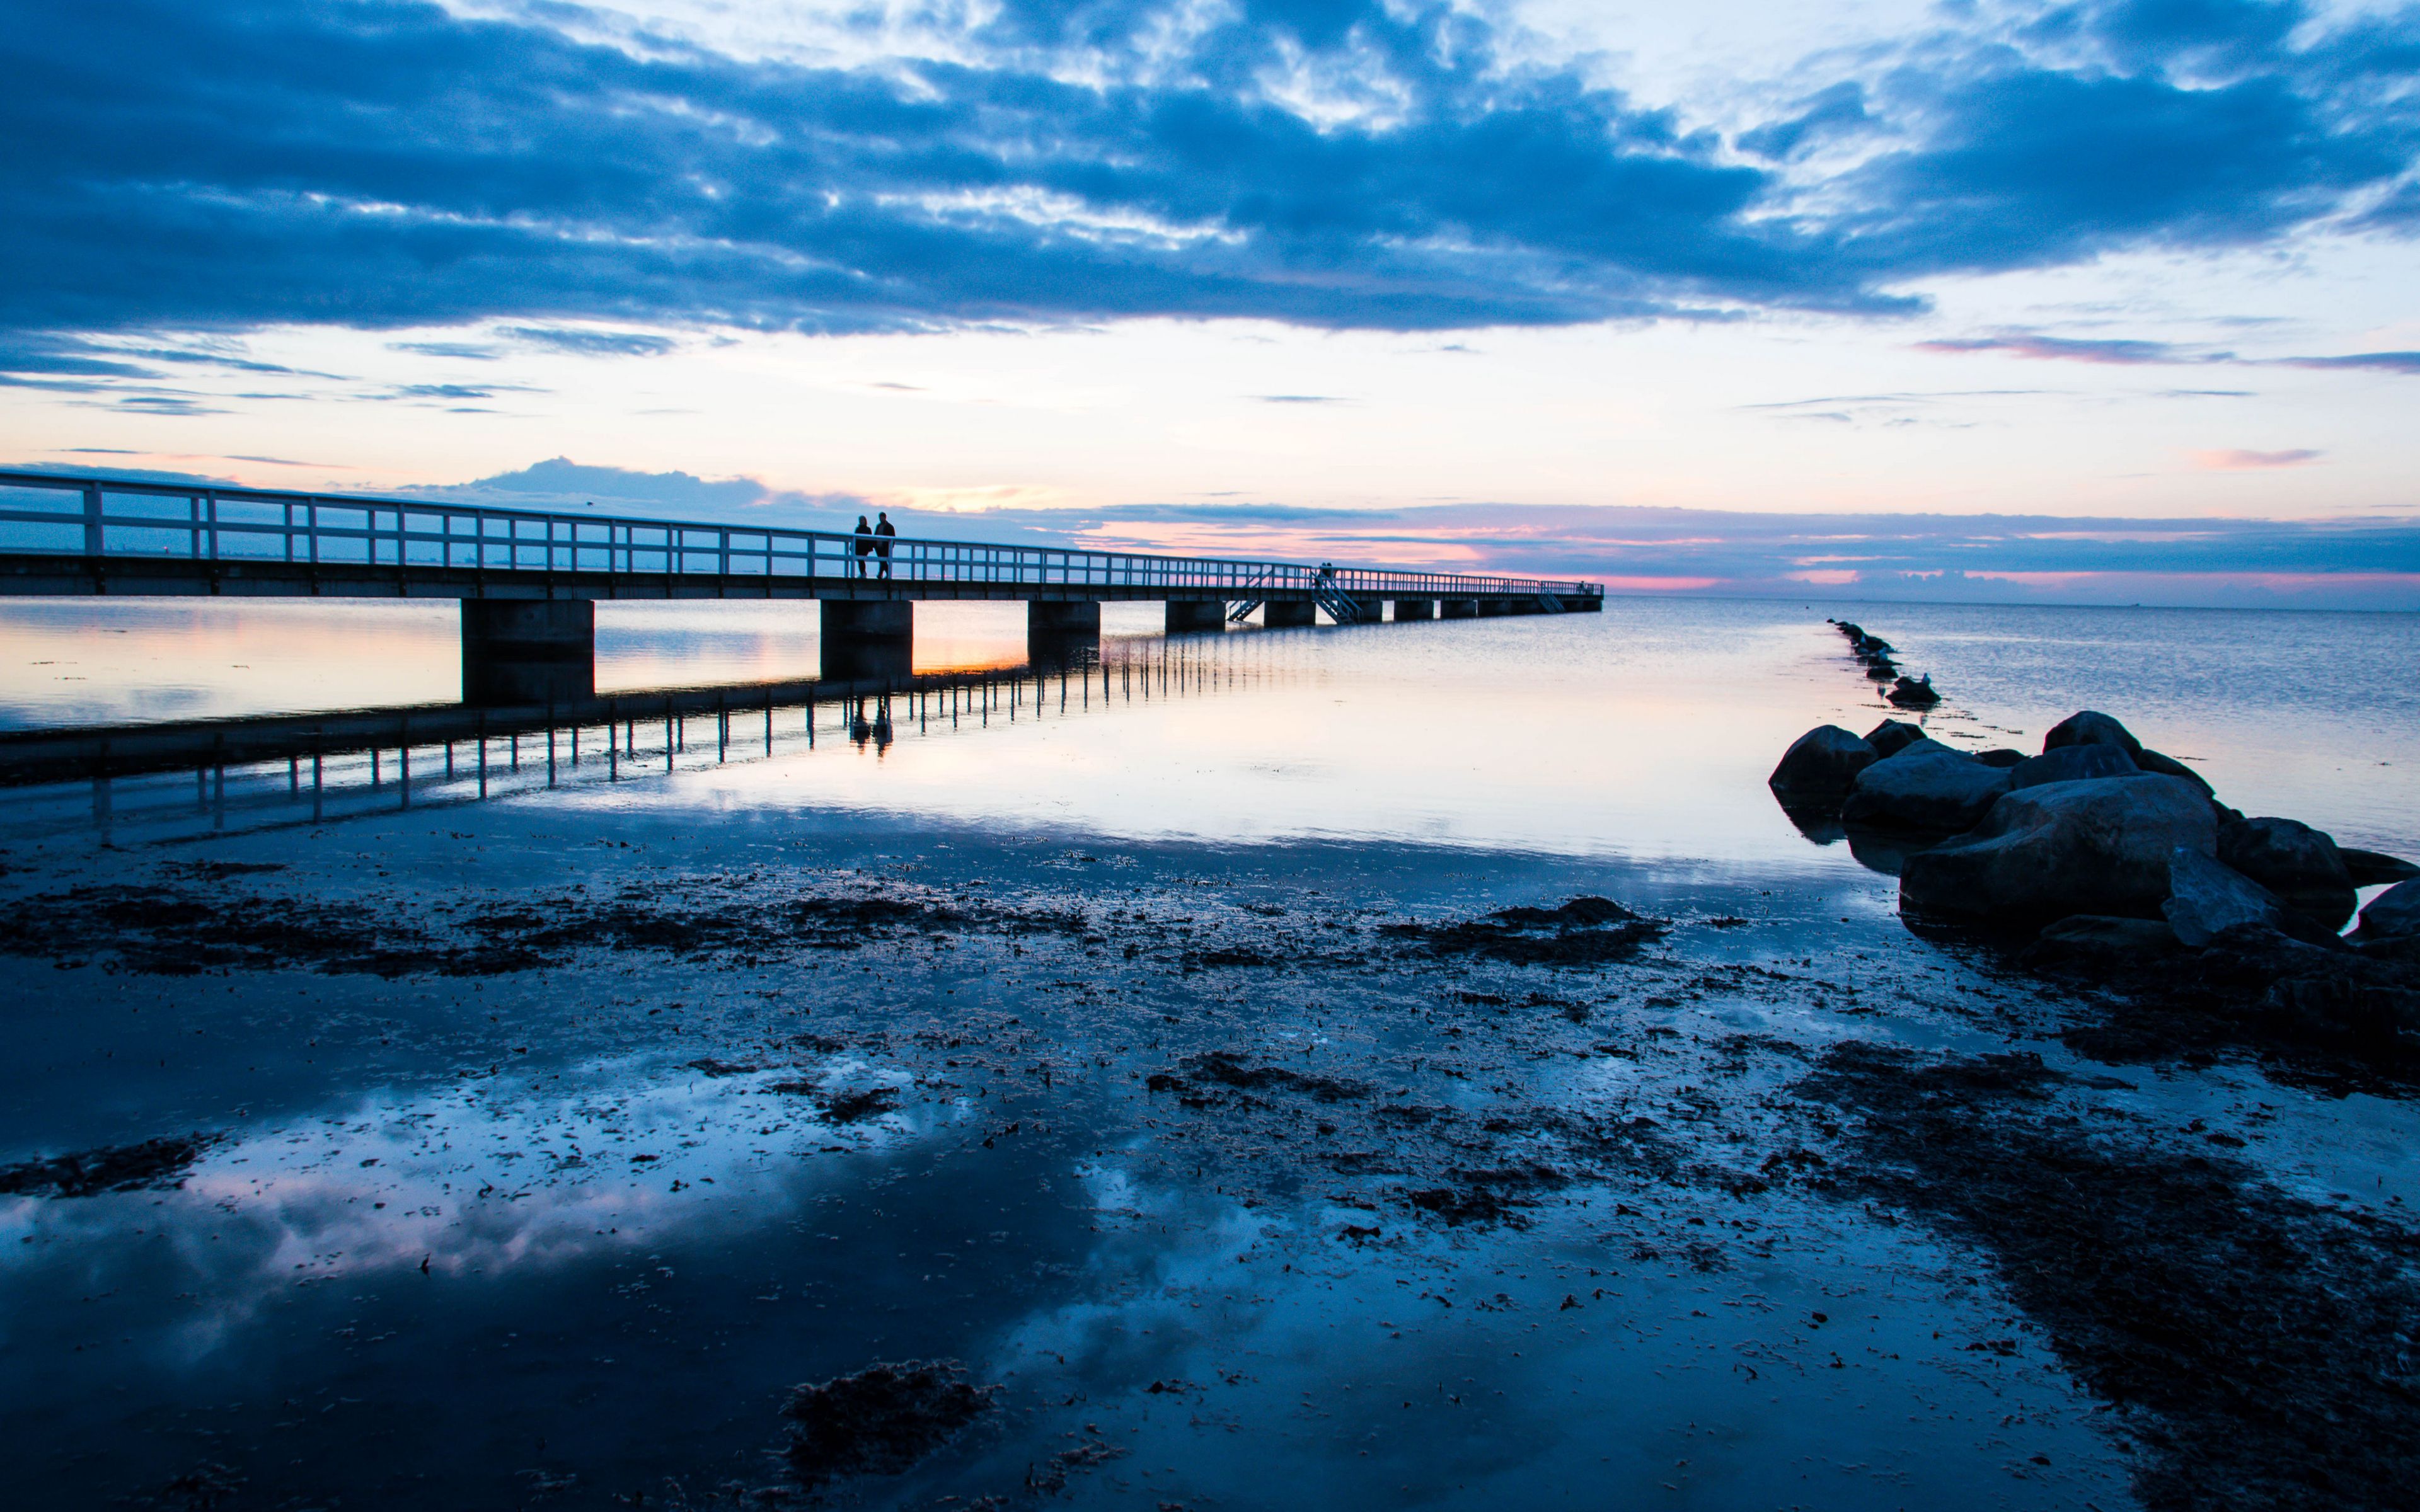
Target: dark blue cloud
{"points": [[1831, 113], [2381, 362], [383, 163], [2131, 352], [592, 342], [2118, 351]]}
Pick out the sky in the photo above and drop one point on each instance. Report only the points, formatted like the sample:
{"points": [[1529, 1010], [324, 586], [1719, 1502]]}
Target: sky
{"points": [[2105, 302]]}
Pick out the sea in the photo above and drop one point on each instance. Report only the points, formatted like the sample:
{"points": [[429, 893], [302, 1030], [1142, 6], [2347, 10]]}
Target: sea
{"points": [[1133, 1038]]}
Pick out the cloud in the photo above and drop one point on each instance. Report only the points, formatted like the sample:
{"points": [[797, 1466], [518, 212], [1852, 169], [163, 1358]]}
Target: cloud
{"points": [[2123, 352], [450, 391], [1396, 164], [2116, 352], [468, 352], [2243, 461], [1834, 111], [2383, 362], [593, 343]]}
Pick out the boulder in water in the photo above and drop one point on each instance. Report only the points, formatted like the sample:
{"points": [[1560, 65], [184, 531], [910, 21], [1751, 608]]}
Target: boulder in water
{"points": [[1821, 765], [1913, 692], [2088, 728], [2207, 899], [2151, 761], [2393, 915], [2001, 757], [2368, 868], [2062, 848], [1890, 737], [1927, 786], [2073, 763], [2301, 865]]}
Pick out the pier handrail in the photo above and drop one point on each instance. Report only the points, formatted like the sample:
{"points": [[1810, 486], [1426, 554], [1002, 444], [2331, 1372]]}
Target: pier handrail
{"points": [[134, 517]]}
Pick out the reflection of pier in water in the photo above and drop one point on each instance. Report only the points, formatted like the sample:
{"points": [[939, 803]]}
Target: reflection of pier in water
{"points": [[171, 781]]}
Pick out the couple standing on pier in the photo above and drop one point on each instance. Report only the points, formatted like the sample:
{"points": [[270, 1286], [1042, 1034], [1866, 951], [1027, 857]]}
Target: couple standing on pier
{"points": [[874, 541]]}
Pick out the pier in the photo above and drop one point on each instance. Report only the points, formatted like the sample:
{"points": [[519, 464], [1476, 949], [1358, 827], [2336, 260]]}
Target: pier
{"points": [[528, 580]]}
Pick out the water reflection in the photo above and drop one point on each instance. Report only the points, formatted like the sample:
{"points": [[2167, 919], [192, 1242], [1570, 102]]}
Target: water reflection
{"points": [[490, 1178], [163, 780]]}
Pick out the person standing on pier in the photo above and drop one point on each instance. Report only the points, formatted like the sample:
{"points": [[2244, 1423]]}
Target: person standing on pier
{"points": [[865, 534], [884, 531]]}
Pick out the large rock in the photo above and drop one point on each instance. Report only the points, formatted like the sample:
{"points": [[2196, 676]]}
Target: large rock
{"points": [[1820, 767], [2393, 915], [2370, 868], [2062, 848], [2151, 761], [2073, 764], [2206, 898], [1927, 786], [2090, 729], [1892, 736], [2296, 862], [2100, 944]]}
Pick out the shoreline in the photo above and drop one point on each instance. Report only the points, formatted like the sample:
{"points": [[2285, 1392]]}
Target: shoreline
{"points": [[1229, 1038]]}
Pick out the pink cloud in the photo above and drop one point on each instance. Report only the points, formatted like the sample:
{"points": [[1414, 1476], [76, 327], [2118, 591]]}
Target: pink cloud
{"points": [[1657, 585], [2243, 461]]}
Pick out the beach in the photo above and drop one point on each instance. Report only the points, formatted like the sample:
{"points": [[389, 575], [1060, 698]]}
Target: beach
{"points": [[1374, 1065]]}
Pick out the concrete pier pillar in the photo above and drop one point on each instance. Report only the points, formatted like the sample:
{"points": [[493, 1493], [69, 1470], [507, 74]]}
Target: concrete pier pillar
{"points": [[1185, 614], [1062, 636], [1044, 616], [1457, 608], [1415, 609], [528, 650], [1281, 613], [868, 638]]}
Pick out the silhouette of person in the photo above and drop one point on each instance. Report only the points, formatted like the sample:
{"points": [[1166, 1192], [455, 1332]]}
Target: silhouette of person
{"points": [[884, 531], [865, 534]]}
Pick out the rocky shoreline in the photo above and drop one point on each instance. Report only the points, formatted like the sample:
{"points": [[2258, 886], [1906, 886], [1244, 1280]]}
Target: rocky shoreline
{"points": [[2104, 859]]}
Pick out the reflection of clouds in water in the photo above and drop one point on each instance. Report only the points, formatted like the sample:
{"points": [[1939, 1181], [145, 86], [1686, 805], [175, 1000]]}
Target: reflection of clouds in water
{"points": [[480, 1180], [1161, 1248]]}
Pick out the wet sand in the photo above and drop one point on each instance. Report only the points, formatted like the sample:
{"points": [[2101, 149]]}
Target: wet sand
{"points": [[517, 1155]]}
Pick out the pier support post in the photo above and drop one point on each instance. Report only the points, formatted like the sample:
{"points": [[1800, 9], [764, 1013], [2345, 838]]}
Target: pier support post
{"points": [[1185, 614], [1285, 613], [868, 638], [1415, 609], [1457, 608], [1062, 635], [1063, 617], [528, 650]]}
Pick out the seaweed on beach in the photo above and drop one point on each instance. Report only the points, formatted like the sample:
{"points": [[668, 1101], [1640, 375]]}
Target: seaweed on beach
{"points": [[2341, 1019], [1227, 1069], [1584, 932], [878, 1422], [2263, 1345], [152, 1164], [1485, 1198], [168, 931]]}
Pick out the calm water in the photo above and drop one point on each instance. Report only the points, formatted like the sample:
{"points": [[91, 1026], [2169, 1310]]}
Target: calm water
{"points": [[480, 1235], [1644, 731]]}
